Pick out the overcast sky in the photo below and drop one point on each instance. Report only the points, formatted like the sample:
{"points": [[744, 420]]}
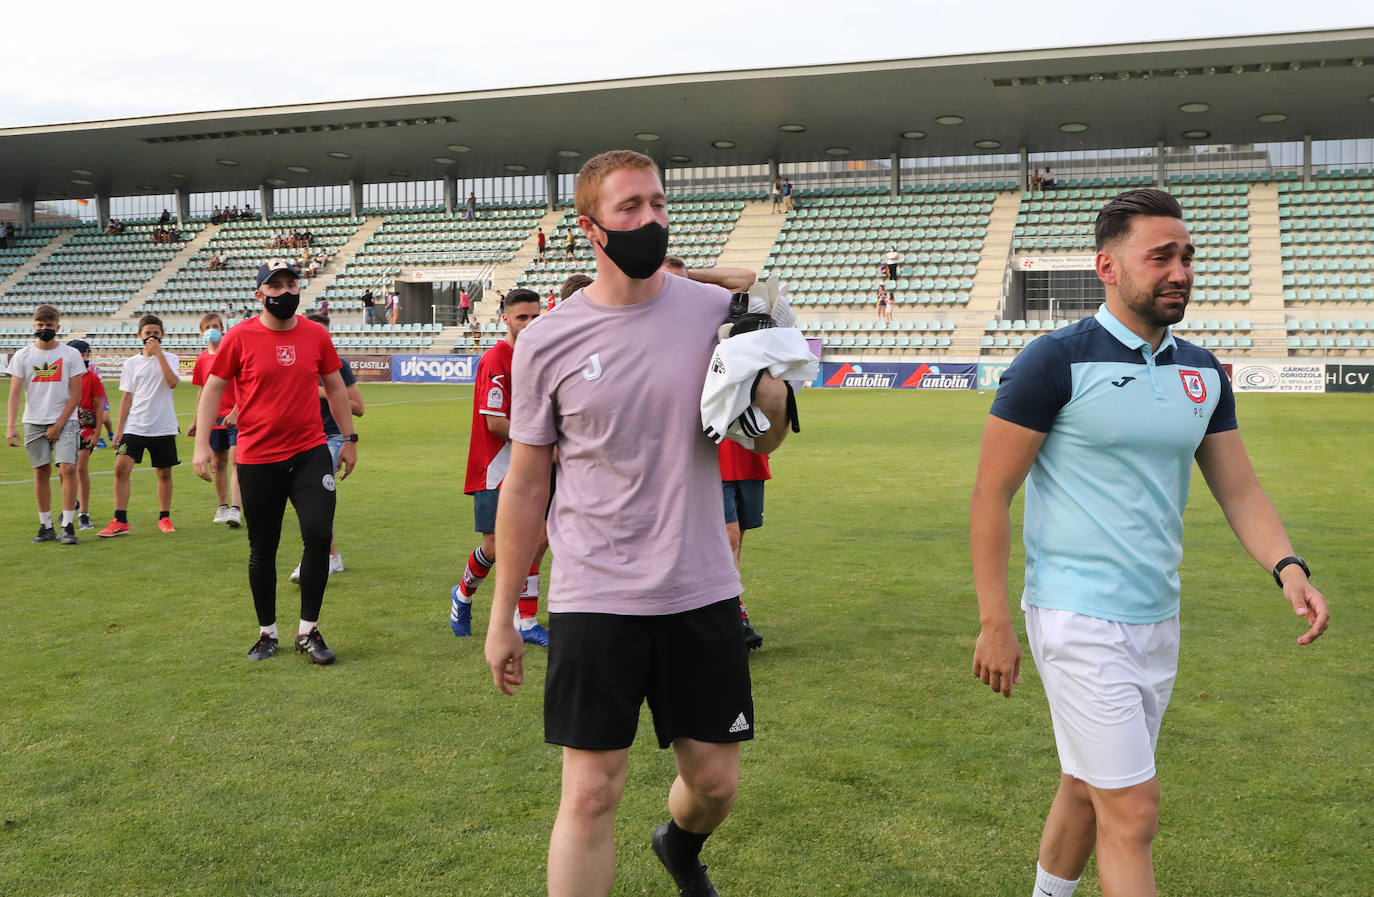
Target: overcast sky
{"points": [[79, 62]]}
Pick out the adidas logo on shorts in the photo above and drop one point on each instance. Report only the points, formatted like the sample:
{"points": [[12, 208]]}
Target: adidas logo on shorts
{"points": [[740, 724]]}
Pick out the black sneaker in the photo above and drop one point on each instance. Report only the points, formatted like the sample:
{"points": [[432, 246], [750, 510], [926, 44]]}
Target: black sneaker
{"points": [[752, 639], [45, 534], [691, 882], [68, 536], [265, 648], [313, 644]]}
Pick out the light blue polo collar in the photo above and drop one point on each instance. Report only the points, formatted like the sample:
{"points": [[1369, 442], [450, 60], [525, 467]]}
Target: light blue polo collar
{"points": [[1128, 337]]}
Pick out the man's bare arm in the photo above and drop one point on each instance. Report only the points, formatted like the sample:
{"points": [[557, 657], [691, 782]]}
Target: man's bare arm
{"points": [[736, 280], [519, 532], [497, 425], [1005, 458]]}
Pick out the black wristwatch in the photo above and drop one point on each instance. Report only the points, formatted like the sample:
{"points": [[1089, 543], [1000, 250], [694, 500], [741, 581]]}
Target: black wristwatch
{"points": [[1291, 559], [353, 437]]}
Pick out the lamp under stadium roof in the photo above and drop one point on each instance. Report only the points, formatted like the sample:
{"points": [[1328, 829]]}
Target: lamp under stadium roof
{"points": [[1018, 98]]}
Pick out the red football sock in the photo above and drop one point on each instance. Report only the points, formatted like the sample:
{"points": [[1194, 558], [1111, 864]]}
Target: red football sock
{"points": [[479, 565]]}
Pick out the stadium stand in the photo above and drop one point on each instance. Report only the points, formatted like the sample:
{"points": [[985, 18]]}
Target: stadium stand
{"points": [[1326, 236], [94, 274], [195, 289], [419, 238]]}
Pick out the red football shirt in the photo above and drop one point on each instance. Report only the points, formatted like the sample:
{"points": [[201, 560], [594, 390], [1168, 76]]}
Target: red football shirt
{"points": [[738, 463], [489, 454], [277, 375], [92, 400], [201, 372]]}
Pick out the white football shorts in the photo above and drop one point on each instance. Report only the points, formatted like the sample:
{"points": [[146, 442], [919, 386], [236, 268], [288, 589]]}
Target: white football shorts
{"points": [[1108, 684]]}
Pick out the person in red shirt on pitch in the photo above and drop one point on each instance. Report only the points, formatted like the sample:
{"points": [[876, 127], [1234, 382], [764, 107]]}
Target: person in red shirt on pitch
{"points": [[488, 461], [742, 475], [276, 362], [224, 438], [90, 417]]}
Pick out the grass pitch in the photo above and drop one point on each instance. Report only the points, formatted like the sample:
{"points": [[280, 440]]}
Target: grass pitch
{"points": [[141, 753]]}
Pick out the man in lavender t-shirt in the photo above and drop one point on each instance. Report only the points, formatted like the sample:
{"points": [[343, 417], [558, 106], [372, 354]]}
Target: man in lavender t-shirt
{"points": [[643, 598]]}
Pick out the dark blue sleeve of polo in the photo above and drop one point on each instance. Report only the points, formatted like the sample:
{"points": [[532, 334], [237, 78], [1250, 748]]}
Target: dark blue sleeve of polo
{"points": [[1224, 415], [1035, 386]]}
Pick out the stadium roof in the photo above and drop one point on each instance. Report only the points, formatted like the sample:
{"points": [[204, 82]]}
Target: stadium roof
{"points": [[1244, 90]]}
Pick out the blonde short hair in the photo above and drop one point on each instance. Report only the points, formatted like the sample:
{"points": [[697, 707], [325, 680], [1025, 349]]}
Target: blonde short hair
{"points": [[588, 190]]}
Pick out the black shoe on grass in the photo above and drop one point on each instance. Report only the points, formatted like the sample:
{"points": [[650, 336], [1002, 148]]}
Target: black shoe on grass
{"points": [[265, 648], [313, 644], [45, 534], [68, 536], [692, 881]]}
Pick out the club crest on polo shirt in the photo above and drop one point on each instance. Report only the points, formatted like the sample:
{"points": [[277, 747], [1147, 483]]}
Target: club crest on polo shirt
{"points": [[286, 355], [1193, 385], [495, 397]]}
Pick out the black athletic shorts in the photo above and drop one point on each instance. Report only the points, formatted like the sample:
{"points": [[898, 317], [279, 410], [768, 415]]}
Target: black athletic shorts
{"points": [[162, 450], [693, 668]]}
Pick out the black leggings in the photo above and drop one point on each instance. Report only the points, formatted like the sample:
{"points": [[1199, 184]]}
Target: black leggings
{"points": [[307, 479]]}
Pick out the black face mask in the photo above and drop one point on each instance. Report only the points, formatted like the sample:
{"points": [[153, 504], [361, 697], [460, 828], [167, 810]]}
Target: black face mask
{"points": [[46, 335], [282, 307], [639, 252]]}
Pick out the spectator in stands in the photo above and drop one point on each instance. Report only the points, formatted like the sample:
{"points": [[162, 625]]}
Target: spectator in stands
{"points": [[572, 242], [776, 194], [786, 195], [475, 331], [553, 300], [323, 310], [7, 236], [891, 262], [246, 213], [884, 304], [470, 209], [215, 263], [369, 309], [465, 306], [165, 217], [308, 238], [574, 283], [539, 258], [1047, 182], [216, 216], [1037, 182], [393, 307]]}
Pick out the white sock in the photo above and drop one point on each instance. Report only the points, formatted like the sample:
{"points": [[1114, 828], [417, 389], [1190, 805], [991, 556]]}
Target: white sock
{"points": [[68, 517], [1047, 885], [305, 627], [45, 518], [270, 631]]}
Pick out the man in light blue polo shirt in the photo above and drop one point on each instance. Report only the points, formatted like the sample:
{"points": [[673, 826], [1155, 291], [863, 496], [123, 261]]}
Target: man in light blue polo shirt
{"points": [[1106, 417]]}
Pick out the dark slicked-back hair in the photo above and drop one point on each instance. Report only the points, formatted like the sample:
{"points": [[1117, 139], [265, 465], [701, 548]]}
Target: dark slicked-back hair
{"points": [[151, 319], [1114, 220], [519, 294]]}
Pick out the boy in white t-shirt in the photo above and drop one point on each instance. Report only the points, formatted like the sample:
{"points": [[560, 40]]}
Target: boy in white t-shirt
{"points": [[147, 422], [49, 374]]}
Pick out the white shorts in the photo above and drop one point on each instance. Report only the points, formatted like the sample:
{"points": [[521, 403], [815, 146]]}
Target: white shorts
{"points": [[1108, 684]]}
